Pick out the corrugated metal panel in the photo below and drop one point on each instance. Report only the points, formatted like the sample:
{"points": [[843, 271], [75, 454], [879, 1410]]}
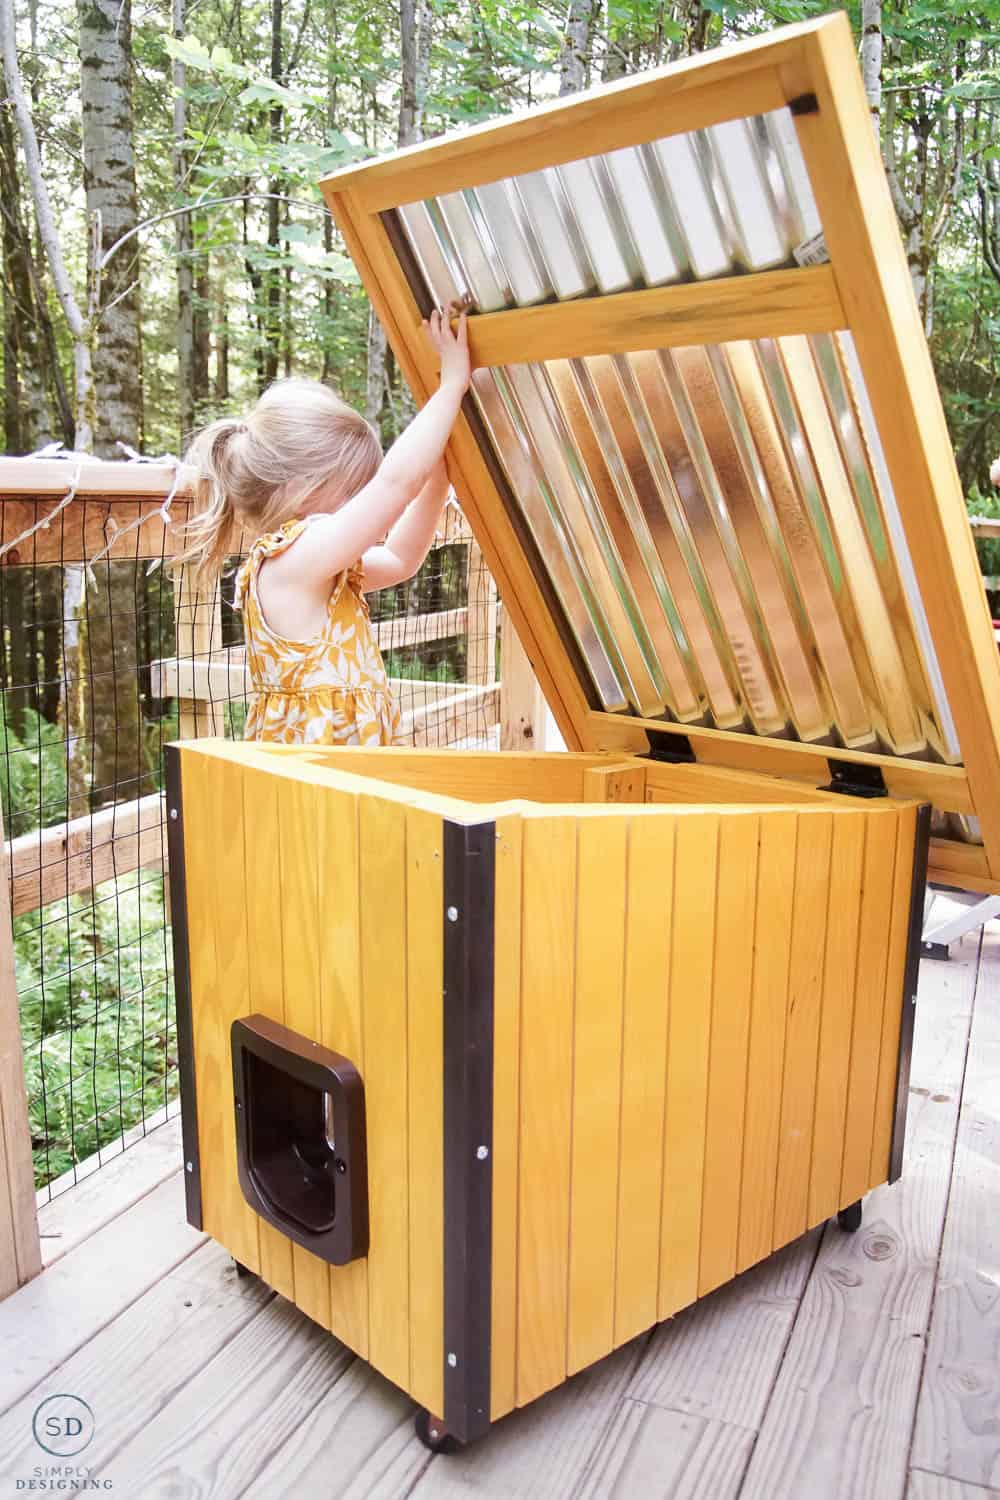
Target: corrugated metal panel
{"points": [[718, 522]]}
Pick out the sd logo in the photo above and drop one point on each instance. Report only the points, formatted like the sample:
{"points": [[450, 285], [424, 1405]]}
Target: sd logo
{"points": [[63, 1425]]}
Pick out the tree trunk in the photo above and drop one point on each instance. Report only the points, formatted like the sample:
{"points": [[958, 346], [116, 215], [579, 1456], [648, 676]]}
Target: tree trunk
{"points": [[106, 708], [221, 339], [574, 60], [202, 338], [109, 181], [272, 347], [415, 32], [332, 118], [871, 61], [184, 242]]}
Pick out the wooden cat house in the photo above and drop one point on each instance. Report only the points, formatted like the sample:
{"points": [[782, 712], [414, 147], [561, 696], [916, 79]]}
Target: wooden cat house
{"points": [[491, 1061]]}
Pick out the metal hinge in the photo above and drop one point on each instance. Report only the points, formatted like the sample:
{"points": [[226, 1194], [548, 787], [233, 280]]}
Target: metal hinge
{"points": [[855, 779], [669, 747]]}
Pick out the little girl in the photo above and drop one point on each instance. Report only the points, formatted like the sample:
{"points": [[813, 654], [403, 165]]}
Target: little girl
{"points": [[304, 473]]}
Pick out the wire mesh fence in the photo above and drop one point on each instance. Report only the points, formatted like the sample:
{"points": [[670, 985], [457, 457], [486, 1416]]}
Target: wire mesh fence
{"points": [[101, 665]]}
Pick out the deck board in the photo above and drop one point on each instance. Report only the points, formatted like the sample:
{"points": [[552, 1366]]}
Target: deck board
{"points": [[811, 1373]]}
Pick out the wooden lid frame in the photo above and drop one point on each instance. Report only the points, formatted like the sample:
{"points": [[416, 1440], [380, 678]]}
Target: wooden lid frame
{"points": [[865, 289]]}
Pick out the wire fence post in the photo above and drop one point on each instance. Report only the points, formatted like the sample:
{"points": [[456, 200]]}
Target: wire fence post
{"points": [[20, 1250], [481, 651], [199, 634], [522, 707]]}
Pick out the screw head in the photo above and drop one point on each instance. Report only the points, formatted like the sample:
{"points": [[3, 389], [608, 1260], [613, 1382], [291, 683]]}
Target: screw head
{"points": [[482, 1152], [453, 914], [189, 1165], [173, 815], [453, 1360], [341, 1165]]}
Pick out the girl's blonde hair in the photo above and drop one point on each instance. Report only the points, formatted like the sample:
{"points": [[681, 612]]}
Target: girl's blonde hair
{"points": [[255, 472]]}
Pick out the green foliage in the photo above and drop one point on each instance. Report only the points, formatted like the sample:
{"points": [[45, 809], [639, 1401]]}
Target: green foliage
{"points": [[34, 787]]}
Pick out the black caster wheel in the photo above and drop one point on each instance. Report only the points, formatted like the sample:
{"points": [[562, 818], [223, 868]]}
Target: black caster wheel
{"points": [[849, 1218], [433, 1434], [242, 1271]]}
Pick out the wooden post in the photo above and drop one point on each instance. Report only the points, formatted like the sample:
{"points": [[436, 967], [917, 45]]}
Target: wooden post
{"points": [[481, 620], [522, 707], [20, 1252], [199, 633]]}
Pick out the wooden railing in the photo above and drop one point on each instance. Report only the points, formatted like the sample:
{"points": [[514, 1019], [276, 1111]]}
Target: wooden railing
{"points": [[118, 507]]}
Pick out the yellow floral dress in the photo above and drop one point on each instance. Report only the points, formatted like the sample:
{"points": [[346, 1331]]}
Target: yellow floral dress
{"points": [[331, 690]]}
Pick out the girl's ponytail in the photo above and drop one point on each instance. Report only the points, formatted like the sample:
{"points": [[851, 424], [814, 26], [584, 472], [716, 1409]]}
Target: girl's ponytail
{"points": [[218, 454], [261, 471]]}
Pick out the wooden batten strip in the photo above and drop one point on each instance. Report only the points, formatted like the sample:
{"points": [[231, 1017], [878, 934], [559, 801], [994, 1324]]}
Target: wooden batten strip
{"points": [[51, 863], [768, 304]]}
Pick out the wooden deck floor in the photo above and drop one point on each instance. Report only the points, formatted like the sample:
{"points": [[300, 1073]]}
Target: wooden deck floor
{"points": [[864, 1366]]}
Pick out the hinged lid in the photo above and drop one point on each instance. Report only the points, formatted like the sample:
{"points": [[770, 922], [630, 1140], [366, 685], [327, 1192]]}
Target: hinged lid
{"points": [[704, 453]]}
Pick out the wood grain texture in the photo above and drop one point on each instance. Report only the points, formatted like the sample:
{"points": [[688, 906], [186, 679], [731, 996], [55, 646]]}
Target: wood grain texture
{"points": [[859, 224], [548, 941], [506, 1114], [45, 1321], [732, 989], [720, 1357], [341, 1020], [765, 1055], [214, 949], [813, 896], [839, 979], [667, 1455], [383, 982], [301, 909], [648, 936], [20, 1251], [763, 305], [879, 913], [266, 976], [544, 1449], [892, 1010], [425, 1103], [691, 976], [854, 1360], [256, 1391], [596, 1110], [179, 1325], [957, 1429], [925, 1486]]}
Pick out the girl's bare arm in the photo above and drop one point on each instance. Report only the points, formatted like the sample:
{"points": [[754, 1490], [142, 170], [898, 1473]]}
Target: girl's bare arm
{"points": [[409, 541], [334, 542]]}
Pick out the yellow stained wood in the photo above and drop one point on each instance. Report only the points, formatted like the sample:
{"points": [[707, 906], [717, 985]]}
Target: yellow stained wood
{"points": [[597, 1046], [266, 978], [704, 783], [384, 1002], [20, 1248], [869, 1003], [425, 1124], [648, 932], [895, 999], [840, 970], [506, 1104], [475, 775], [212, 802], [721, 85], [859, 224], [727, 1075], [927, 781], [547, 953], [811, 901], [775, 886], [301, 924], [615, 783], [764, 305], [691, 973], [341, 1022]]}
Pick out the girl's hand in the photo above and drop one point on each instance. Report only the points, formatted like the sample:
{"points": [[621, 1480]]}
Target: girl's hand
{"points": [[995, 472], [452, 347]]}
